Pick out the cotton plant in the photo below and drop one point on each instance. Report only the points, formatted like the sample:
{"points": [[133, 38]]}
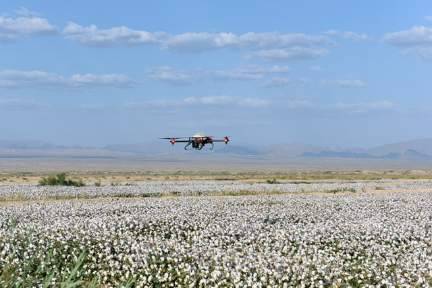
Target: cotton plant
{"points": [[359, 239], [194, 188]]}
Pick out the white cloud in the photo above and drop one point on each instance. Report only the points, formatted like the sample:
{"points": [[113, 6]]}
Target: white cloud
{"points": [[250, 72], [276, 82], [282, 81], [93, 36], [275, 41], [32, 79], [201, 42], [292, 54], [13, 28], [343, 82], [428, 18], [49, 81], [189, 76], [190, 100], [226, 75], [90, 80], [299, 104], [253, 102], [348, 35], [417, 40], [303, 81], [265, 70], [26, 13], [425, 53], [176, 77], [216, 100], [418, 35]]}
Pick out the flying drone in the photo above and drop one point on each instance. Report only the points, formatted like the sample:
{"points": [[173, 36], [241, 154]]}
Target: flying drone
{"points": [[198, 141]]}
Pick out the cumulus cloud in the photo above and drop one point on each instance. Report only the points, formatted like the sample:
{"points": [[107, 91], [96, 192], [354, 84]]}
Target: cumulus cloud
{"points": [[91, 80], [28, 24], [216, 100], [292, 54], [418, 35], [343, 82], [188, 76], [348, 35], [200, 42], [190, 42], [16, 79], [93, 36], [176, 77], [30, 79], [417, 40]]}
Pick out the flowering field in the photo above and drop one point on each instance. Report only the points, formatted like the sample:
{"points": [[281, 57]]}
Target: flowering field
{"points": [[199, 188], [286, 239]]}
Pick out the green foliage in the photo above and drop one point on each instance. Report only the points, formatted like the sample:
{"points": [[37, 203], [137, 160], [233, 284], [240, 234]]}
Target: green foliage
{"points": [[60, 179], [30, 273], [345, 189], [273, 181]]}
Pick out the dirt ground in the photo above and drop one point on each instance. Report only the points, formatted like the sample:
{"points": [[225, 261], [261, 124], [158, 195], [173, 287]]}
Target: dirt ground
{"points": [[253, 170]]}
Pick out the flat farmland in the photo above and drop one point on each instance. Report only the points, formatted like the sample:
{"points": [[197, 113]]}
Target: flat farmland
{"points": [[356, 225]]}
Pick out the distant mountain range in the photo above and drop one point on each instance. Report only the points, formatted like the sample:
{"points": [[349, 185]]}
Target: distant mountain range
{"points": [[409, 154], [415, 150]]}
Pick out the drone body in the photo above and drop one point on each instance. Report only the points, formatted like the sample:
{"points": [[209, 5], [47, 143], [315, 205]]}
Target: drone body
{"points": [[198, 141]]}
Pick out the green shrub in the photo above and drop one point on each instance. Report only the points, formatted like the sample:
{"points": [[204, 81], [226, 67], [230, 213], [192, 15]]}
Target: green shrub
{"points": [[60, 179], [273, 181]]}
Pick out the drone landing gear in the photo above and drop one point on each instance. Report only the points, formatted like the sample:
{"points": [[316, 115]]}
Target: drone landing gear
{"points": [[187, 146]]}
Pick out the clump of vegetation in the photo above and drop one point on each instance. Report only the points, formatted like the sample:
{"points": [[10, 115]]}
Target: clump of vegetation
{"points": [[345, 189], [60, 179], [273, 181]]}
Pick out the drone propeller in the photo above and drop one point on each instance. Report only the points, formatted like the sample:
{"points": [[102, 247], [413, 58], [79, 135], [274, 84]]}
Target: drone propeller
{"points": [[173, 137]]}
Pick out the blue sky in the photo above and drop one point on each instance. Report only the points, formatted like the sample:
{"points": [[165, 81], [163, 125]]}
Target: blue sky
{"points": [[326, 73]]}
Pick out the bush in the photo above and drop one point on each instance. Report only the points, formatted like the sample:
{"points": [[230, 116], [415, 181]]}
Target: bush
{"points": [[273, 181], [60, 179]]}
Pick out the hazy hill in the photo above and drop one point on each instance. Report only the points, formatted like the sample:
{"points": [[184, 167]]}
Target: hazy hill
{"points": [[37, 145], [237, 150], [423, 146], [152, 147], [415, 150], [291, 149]]}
